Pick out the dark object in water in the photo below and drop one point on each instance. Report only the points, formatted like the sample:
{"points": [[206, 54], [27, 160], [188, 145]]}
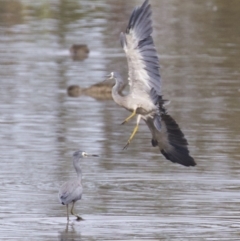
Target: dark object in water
{"points": [[79, 51]]}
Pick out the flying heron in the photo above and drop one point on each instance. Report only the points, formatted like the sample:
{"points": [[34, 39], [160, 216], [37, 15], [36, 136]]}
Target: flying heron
{"points": [[71, 191], [144, 98]]}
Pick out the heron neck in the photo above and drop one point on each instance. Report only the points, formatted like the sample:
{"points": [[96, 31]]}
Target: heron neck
{"points": [[116, 93], [119, 86], [77, 167]]}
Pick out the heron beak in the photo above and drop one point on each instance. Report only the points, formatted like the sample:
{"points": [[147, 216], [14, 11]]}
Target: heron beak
{"points": [[91, 155], [108, 76], [106, 80]]}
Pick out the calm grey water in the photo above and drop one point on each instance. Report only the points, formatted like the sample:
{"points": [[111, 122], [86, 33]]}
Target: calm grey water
{"points": [[133, 194]]}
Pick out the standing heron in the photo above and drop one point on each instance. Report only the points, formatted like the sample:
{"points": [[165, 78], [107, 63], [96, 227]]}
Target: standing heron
{"points": [[71, 191], [144, 98]]}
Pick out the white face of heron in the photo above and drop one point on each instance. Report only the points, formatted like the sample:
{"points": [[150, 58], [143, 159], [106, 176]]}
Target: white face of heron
{"points": [[84, 154], [111, 76]]}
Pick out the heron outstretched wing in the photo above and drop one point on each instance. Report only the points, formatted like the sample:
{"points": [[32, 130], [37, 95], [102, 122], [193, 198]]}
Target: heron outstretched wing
{"points": [[137, 42]]}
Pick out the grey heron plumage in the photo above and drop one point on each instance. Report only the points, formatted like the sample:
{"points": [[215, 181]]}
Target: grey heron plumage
{"points": [[145, 98], [71, 191]]}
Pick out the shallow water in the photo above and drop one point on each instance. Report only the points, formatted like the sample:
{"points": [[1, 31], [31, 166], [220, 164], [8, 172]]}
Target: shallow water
{"points": [[132, 194]]}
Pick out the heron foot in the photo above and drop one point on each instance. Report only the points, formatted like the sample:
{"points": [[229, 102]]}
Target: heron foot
{"points": [[131, 137], [129, 117], [126, 146], [123, 122], [79, 218]]}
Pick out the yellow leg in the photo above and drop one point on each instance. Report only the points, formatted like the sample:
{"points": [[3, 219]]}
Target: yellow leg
{"points": [[129, 117], [131, 137], [78, 217]]}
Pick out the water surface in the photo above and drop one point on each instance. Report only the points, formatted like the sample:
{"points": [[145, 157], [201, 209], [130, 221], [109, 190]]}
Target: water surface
{"points": [[132, 194]]}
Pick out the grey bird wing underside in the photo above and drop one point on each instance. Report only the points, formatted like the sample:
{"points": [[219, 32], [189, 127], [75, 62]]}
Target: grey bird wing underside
{"points": [[137, 42]]}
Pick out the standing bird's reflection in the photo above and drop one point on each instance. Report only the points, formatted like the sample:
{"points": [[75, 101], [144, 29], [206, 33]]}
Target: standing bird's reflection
{"points": [[69, 233], [71, 191], [144, 98]]}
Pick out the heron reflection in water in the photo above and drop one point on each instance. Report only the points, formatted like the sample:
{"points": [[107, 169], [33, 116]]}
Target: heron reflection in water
{"points": [[71, 191], [145, 98]]}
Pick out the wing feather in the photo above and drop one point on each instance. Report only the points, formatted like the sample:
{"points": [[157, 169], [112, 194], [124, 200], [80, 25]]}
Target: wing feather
{"points": [[170, 140], [137, 42]]}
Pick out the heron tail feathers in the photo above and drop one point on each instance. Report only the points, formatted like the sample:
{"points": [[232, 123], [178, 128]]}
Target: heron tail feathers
{"points": [[174, 145]]}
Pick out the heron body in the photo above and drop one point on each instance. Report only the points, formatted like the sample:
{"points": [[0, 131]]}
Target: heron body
{"points": [[71, 191], [134, 102], [145, 98]]}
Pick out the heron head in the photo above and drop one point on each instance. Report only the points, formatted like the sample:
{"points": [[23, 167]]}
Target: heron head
{"points": [[114, 75], [111, 75], [80, 154], [84, 154]]}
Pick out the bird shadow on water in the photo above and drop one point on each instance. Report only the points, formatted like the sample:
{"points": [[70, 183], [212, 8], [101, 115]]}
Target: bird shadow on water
{"points": [[69, 233]]}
